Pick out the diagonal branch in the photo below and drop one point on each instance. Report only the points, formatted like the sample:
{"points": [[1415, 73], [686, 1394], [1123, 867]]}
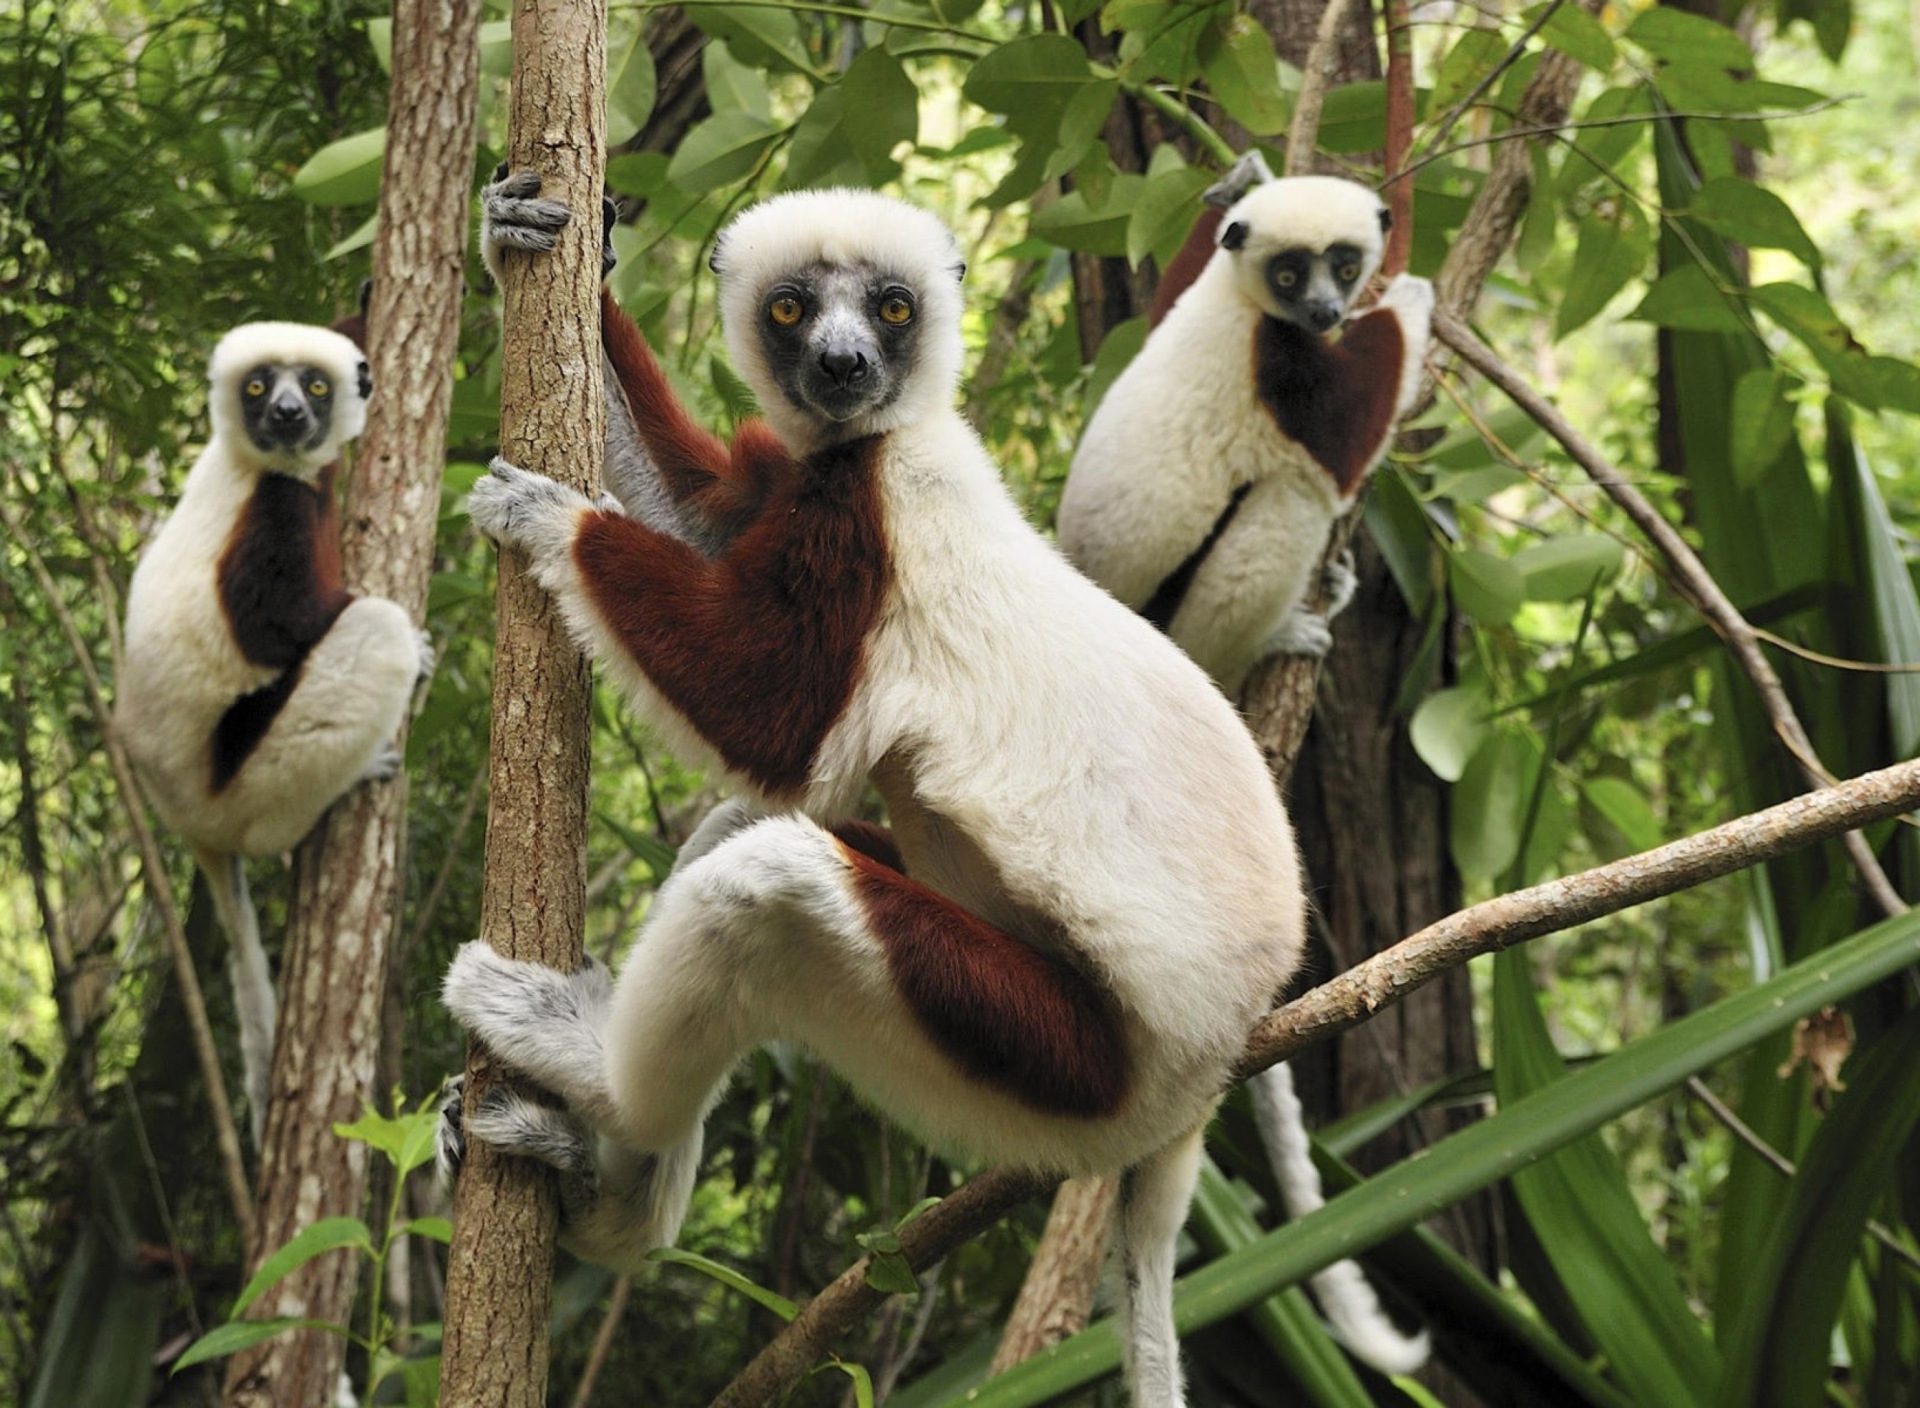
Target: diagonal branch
{"points": [[1689, 576]]}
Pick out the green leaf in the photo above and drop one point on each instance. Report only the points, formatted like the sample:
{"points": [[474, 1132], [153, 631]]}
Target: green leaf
{"points": [[1489, 804], [1354, 118], [1079, 137], [644, 845], [1119, 347], [631, 88], [1688, 298], [1760, 421], [1164, 213], [346, 172], [437, 1229], [1030, 80], [327, 1235], [1240, 66], [822, 153], [862, 1381], [885, 105], [723, 149], [1689, 41], [1489, 589], [1752, 215], [1615, 245], [1566, 569], [407, 1139], [359, 239], [1448, 728], [887, 1267], [1777, 1355], [727, 1276], [1478, 1156], [237, 1335], [380, 36], [733, 86], [1598, 150], [767, 36], [1575, 33], [1069, 223], [1626, 809], [1471, 59]]}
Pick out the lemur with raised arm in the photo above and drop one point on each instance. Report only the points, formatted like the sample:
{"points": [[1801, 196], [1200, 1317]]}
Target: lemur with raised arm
{"points": [[1205, 486], [256, 688], [1090, 890]]}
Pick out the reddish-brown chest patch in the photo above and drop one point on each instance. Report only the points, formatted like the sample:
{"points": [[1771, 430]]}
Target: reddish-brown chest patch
{"points": [[1027, 1022], [761, 648], [1336, 398]]}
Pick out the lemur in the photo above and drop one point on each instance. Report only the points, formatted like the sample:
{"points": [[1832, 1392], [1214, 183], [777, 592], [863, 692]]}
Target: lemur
{"points": [[1205, 485], [1090, 889], [1207, 511], [256, 689]]}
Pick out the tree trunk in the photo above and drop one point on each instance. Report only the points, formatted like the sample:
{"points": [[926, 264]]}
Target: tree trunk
{"points": [[552, 419], [349, 881]]}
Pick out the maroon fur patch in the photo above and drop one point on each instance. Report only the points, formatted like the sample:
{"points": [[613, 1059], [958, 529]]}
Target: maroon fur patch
{"points": [[873, 842], [761, 647], [1007, 1014], [279, 584], [726, 487], [1185, 266], [1337, 399]]}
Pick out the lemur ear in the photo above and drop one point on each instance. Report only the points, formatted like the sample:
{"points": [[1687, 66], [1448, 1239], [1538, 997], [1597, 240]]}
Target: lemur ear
{"points": [[959, 270], [1234, 234], [366, 380], [1386, 219]]}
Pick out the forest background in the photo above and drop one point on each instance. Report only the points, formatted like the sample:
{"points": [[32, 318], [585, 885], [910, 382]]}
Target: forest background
{"points": [[1707, 263]]}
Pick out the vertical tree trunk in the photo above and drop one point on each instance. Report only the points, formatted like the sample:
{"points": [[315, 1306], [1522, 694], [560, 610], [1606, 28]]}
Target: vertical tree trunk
{"points": [[552, 419], [348, 886]]}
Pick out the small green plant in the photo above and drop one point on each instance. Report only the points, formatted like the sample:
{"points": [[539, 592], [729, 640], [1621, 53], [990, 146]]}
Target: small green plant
{"points": [[407, 1142]]}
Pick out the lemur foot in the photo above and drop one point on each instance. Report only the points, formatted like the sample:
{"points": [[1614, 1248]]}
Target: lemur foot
{"points": [[530, 511], [511, 1123], [429, 657], [512, 216], [384, 766], [1249, 171], [548, 1025], [1338, 582], [1304, 632]]}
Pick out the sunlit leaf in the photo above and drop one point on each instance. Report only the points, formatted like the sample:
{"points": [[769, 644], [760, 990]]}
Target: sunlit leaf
{"points": [[1488, 588], [1448, 727], [346, 172], [631, 88], [1760, 421], [1688, 298], [1576, 33], [1567, 568], [1241, 69], [1615, 246], [327, 1235], [1754, 216], [727, 1276], [1488, 804], [723, 149]]}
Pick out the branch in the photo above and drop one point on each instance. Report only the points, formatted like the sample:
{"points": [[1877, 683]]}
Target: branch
{"points": [[1323, 60], [1689, 575], [1351, 998]]}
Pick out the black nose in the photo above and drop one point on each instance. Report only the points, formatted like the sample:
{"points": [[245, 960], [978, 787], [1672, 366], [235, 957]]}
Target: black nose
{"points": [[288, 410], [1321, 316], [845, 365]]}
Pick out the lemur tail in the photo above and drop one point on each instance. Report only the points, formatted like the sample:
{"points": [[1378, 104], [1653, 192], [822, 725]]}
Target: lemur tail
{"points": [[1346, 1299], [1154, 1196], [253, 997]]}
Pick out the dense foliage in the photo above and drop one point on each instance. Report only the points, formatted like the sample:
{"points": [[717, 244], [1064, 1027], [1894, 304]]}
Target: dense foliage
{"points": [[1713, 276]]}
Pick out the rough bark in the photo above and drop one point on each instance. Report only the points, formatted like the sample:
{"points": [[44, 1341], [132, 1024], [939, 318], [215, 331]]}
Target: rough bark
{"points": [[1056, 1299], [551, 420], [348, 885]]}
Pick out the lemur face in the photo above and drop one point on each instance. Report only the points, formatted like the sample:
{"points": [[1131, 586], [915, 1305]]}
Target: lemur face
{"points": [[840, 341], [1303, 248], [286, 408]]}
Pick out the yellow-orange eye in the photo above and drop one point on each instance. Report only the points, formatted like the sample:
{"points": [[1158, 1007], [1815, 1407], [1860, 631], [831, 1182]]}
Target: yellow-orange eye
{"points": [[256, 387], [896, 310], [1285, 278], [785, 310], [318, 387], [1349, 272]]}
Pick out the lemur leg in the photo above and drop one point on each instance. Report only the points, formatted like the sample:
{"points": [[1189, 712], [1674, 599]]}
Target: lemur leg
{"points": [[1306, 631], [1154, 1196], [353, 692]]}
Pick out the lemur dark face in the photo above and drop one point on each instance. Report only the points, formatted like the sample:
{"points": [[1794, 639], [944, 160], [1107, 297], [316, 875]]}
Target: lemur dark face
{"points": [[1315, 288], [840, 340], [286, 407]]}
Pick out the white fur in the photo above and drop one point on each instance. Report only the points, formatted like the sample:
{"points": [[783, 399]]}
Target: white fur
{"points": [[1182, 427], [1049, 762], [183, 670]]}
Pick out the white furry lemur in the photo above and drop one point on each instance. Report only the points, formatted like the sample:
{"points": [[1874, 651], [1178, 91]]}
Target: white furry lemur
{"points": [[1090, 890], [1207, 510], [256, 689]]}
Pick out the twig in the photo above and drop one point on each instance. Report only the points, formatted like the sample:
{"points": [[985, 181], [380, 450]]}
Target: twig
{"points": [[603, 1342], [159, 890], [1349, 999], [1315, 74], [1783, 1165], [1445, 125], [424, 916], [1690, 578]]}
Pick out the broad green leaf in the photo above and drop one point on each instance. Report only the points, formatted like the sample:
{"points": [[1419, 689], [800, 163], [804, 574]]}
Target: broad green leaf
{"points": [[1354, 118], [1752, 215], [1575, 33], [1478, 1156], [1448, 728], [1404, 534], [1119, 347], [1030, 80], [1598, 150], [1238, 61], [822, 152], [1487, 808], [1567, 568], [1688, 298], [1079, 144], [380, 36], [1164, 212], [1760, 421], [237, 1335], [1471, 59], [767, 36], [359, 239], [1876, 552], [327, 1235], [1688, 40], [723, 149], [1778, 1355], [346, 172], [1615, 245], [733, 86], [1488, 588], [1626, 810], [884, 107], [1285, 1322], [631, 88], [1068, 222], [406, 1139], [1581, 1209], [888, 1270], [437, 1229], [727, 1276], [862, 1381]]}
